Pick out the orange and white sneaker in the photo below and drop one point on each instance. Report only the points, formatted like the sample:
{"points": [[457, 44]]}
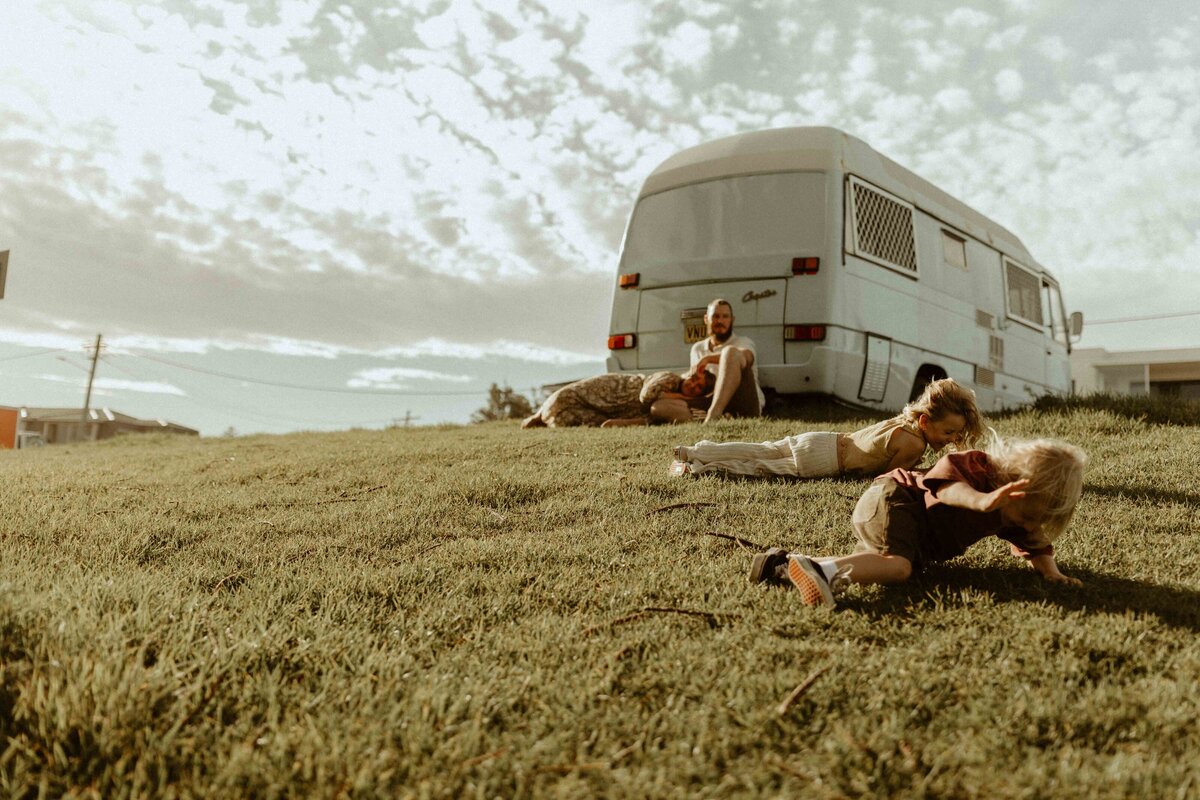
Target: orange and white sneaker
{"points": [[815, 590]]}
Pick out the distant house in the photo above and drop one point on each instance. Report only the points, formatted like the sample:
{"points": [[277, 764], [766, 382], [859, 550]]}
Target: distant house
{"points": [[1169, 372], [25, 426]]}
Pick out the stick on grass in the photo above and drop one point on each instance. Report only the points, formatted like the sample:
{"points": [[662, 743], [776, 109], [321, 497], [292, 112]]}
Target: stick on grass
{"points": [[799, 690]]}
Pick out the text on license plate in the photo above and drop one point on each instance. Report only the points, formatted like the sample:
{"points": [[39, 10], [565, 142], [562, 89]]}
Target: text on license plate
{"points": [[694, 328]]}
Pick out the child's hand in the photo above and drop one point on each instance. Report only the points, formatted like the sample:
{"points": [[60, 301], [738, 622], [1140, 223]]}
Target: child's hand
{"points": [[1003, 496]]}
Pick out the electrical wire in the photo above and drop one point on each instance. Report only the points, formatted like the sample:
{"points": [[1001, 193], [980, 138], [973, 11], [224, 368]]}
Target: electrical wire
{"points": [[303, 387], [40, 353]]}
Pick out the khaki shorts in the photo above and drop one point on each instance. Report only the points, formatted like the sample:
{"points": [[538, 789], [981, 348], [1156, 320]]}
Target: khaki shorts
{"points": [[890, 520]]}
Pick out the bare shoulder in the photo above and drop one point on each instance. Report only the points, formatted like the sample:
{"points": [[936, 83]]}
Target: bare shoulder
{"points": [[903, 441]]}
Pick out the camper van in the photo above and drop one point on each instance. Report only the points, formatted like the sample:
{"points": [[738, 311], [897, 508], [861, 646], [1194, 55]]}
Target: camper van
{"points": [[854, 277]]}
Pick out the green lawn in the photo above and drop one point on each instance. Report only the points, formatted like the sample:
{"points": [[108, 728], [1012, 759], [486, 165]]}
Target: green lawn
{"points": [[489, 612]]}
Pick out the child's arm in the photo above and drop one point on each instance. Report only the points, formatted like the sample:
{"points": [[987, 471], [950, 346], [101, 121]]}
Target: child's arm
{"points": [[962, 495], [1047, 567], [906, 450]]}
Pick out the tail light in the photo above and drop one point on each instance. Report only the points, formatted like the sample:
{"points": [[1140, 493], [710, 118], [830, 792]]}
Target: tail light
{"points": [[622, 341], [806, 266], [629, 280], [802, 333]]}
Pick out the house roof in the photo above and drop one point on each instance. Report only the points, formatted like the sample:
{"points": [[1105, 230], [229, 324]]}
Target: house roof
{"points": [[1100, 357], [101, 415]]}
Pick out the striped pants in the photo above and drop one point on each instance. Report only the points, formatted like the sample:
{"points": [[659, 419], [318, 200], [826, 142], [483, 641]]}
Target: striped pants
{"points": [[808, 455]]}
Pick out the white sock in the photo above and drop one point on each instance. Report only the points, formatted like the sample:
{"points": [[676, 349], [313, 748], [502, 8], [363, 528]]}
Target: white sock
{"points": [[828, 566]]}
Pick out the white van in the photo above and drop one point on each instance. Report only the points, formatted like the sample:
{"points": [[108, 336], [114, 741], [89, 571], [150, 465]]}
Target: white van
{"points": [[854, 277]]}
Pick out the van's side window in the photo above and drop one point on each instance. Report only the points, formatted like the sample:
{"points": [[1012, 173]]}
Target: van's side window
{"points": [[1024, 294], [954, 249]]}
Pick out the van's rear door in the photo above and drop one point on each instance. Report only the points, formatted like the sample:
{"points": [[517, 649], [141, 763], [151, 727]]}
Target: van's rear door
{"points": [[733, 238], [671, 318]]}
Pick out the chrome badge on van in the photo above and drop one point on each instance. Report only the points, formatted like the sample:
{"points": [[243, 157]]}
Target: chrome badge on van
{"points": [[694, 328]]}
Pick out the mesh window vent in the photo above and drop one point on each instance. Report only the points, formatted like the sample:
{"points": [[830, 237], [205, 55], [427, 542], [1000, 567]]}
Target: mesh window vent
{"points": [[984, 320], [984, 377], [883, 228]]}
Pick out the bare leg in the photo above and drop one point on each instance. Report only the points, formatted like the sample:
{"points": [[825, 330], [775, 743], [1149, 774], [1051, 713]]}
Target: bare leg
{"points": [[876, 568], [623, 423], [729, 377]]}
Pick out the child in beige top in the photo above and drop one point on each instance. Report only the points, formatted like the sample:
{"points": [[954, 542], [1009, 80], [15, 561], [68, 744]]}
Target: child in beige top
{"points": [[945, 413]]}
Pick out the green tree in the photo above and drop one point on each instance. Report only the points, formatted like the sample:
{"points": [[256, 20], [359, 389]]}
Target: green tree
{"points": [[503, 403]]}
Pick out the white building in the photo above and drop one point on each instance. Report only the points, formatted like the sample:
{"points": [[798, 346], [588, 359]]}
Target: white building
{"points": [[1168, 372]]}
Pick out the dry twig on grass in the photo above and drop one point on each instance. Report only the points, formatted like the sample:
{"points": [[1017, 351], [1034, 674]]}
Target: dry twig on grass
{"points": [[566, 769], [799, 690], [711, 617], [235, 579], [434, 546], [745, 544], [477, 760], [675, 506], [347, 497]]}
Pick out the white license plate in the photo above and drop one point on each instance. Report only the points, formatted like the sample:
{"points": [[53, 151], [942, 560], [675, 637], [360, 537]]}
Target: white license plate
{"points": [[694, 328]]}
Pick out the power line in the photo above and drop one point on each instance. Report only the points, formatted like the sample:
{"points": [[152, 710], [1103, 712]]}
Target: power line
{"points": [[39, 353], [1140, 319], [303, 387]]}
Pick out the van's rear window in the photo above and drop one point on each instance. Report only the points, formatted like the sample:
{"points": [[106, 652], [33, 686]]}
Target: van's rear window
{"points": [[733, 217]]}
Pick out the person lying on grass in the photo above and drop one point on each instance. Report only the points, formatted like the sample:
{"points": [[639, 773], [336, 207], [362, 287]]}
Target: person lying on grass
{"points": [[945, 413], [1022, 491], [616, 399]]}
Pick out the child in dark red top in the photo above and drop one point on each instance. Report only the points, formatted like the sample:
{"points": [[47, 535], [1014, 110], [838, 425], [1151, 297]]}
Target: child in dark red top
{"points": [[1024, 492]]}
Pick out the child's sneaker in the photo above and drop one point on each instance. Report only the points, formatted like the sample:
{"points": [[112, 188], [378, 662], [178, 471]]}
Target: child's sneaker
{"points": [[681, 469], [809, 578], [770, 567]]}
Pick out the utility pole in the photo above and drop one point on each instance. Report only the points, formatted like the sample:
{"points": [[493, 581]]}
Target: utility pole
{"points": [[87, 398]]}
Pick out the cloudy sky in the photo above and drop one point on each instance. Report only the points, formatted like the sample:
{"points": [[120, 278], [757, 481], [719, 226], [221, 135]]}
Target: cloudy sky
{"points": [[318, 215]]}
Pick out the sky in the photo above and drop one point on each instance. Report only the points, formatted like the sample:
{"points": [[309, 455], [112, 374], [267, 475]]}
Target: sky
{"points": [[311, 215]]}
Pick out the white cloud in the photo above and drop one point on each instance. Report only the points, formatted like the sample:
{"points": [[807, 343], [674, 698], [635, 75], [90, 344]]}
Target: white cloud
{"points": [[1009, 85], [954, 99], [146, 387], [1054, 48], [968, 18], [1007, 40], [393, 377], [688, 46], [502, 348]]}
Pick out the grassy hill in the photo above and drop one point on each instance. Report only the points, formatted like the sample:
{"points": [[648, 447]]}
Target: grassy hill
{"points": [[484, 611]]}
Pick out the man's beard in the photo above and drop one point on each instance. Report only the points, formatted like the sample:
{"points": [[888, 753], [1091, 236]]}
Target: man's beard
{"points": [[722, 338]]}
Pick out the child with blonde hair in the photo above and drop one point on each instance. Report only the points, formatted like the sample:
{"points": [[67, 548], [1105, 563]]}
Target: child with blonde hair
{"points": [[1022, 491], [945, 413]]}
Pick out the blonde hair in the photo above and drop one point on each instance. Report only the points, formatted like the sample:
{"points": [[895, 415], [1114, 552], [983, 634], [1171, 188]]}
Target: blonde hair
{"points": [[948, 396], [1055, 473]]}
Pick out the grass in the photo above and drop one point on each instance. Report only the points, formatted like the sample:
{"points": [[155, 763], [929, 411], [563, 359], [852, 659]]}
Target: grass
{"points": [[489, 612]]}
